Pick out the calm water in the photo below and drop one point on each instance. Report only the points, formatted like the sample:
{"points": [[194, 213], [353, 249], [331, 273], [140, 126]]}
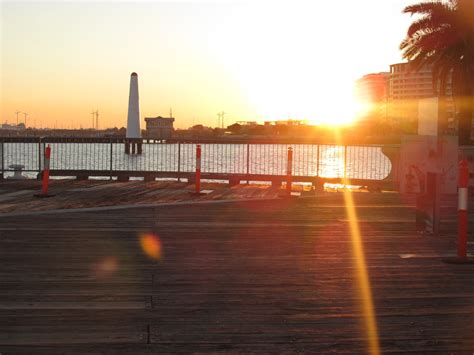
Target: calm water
{"points": [[365, 162]]}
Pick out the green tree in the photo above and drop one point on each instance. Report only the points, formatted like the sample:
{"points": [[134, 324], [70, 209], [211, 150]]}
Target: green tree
{"points": [[443, 36]]}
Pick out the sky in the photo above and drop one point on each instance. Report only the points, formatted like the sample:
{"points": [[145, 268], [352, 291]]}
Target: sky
{"points": [[254, 60]]}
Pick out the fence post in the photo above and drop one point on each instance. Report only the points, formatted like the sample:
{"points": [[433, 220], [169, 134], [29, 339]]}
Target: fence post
{"points": [[179, 161], [317, 160], [42, 152], [111, 158], [462, 208], [289, 171], [345, 161], [39, 155], [248, 162], [198, 168], [3, 159]]}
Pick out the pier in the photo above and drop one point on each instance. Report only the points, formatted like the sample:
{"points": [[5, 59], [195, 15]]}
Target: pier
{"points": [[273, 275], [331, 213]]}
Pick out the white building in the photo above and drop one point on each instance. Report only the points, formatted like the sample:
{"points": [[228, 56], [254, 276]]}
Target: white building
{"points": [[159, 127]]}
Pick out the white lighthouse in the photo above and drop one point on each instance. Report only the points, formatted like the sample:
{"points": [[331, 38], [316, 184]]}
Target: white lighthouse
{"points": [[133, 120], [133, 138]]}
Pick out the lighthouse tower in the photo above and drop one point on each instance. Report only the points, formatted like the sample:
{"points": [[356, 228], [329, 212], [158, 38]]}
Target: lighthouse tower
{"points": [[133, 136]]}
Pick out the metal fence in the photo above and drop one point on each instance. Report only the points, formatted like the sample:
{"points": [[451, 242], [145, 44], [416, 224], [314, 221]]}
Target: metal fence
{"points": [[348, 161]]}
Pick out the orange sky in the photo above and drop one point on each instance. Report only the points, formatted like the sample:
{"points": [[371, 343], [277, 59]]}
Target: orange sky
{"points": [[254, 60]]}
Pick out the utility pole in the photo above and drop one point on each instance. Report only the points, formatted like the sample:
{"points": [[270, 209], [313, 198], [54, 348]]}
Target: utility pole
{"points": [[26, 114], [218, 120], [95, 119], [93, 116], [222, 118], [17, 112]]}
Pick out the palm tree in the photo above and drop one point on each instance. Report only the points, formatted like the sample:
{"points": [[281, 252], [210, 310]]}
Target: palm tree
{"points": [[443, 36]]}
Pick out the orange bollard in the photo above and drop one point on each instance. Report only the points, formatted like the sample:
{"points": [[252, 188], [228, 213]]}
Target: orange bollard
{"points": [[47, 156], [45, 183], [463, 183], [198, 169], [289, 171]]}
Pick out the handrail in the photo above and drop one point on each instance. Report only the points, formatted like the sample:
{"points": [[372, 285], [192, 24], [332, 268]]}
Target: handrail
{"points": [[229, 140]]}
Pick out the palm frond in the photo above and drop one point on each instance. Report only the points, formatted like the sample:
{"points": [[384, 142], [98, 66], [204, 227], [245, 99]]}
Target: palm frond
{"points": [[442, 37], [428, 42], [423, 25], [429, 7]]}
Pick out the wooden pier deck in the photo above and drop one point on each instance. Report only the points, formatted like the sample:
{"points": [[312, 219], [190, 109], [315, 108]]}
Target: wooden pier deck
{"points": [[18, 195], [251, 277]]}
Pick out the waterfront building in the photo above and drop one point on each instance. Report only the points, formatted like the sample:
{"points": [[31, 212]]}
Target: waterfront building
{"points": [[159, 127], [288, 122], [372, 94], [406, 88], [247, 123], [11, 127]]}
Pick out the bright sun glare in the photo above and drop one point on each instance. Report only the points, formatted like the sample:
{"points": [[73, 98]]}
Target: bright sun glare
{"points": [[281, 73], [330, 110]]}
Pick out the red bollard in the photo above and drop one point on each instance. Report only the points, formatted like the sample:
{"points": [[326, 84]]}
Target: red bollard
{"points": [[463, 183], [47, 156], [198, 169], [289, 171], [44, 190]]}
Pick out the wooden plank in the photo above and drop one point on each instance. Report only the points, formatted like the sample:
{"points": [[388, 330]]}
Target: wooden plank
{"points": [[234, 277]]}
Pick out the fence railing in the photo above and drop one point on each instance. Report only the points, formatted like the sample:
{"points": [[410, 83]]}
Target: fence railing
{"points": [[366, 162]]}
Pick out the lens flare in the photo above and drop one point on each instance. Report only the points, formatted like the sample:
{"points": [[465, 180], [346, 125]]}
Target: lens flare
{"points": [[105, 268], [151, 246], [365, 289]]}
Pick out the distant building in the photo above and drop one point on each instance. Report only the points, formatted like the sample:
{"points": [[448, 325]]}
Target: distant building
{"points": [[247, 123], [289, 122], [159, 127], [406, 87], [372, 93], [9, 127]]}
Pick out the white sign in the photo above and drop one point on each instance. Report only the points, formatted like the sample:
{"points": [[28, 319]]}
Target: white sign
{"points": [[428, 117]]}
